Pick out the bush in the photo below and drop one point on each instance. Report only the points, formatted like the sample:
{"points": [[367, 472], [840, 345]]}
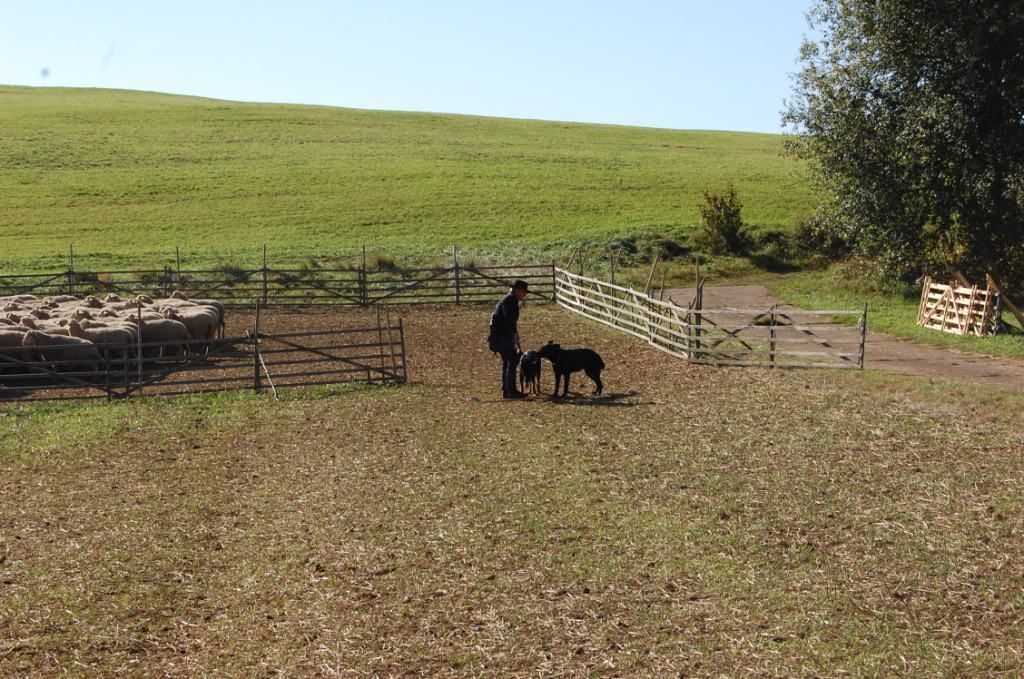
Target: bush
{"points": [[811, 237], [722, 231]]}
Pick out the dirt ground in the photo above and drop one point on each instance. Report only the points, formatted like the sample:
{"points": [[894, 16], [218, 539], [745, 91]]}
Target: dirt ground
{"points": [[692, 521], [884, 352]]}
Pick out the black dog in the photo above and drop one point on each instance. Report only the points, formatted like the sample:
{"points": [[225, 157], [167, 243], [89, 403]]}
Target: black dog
{"points": [[529, 372], [567, 361]]}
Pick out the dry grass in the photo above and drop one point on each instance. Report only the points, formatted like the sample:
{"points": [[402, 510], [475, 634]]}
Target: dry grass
{"points": [[693, 521]]}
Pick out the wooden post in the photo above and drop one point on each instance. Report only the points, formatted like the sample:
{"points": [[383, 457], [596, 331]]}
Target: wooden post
{"points": [[177, 260], [654, 267], [661, 291], [863, 334], [771, 334], [554, 282], [1005, 300], [256, 351], [583, 255], [615, 262], [926, 287], [568, 265], [264, 278], [458, 289], [698, 316]]}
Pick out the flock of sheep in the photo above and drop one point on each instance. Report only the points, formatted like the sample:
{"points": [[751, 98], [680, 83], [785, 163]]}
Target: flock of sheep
{"points": [[66, 332]]}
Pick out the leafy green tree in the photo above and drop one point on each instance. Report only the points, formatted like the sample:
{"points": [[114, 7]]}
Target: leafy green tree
{"points": [[722, 231], [911, 115]]}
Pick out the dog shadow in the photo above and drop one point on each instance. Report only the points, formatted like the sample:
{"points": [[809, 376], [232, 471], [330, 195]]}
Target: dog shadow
{"points": [[604, 400]]}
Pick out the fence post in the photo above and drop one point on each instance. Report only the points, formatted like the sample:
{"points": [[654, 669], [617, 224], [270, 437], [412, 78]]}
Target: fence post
{"points": [[264, 276], [401, 339], [554, 282], [71, 269], [256, 352], [364, 288], [138, 345], [863, 334], [177, 260], [771, 331], [458, 287]]}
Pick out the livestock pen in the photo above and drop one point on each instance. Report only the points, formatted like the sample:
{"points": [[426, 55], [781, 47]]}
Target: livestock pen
{"points": [[285, 348]]}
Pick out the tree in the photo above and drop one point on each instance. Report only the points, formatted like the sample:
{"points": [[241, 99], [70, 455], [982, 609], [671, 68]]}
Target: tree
{"points": [[911, 115]]}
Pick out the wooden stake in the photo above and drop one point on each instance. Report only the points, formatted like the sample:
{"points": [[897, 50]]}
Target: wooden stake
{"points": [[458, 287], [615, 263], [572, 258], [647, 288], [1006, 300], [661, 293]]}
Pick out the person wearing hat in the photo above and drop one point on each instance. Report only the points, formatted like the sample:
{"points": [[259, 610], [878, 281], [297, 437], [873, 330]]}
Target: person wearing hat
{"points": [[503, 338]]}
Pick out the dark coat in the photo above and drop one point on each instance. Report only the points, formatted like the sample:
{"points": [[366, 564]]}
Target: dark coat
{"points": [[503, 324]]}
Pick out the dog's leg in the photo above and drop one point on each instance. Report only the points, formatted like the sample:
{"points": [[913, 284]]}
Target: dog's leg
{"points": [[566, 391], [596, 376]]}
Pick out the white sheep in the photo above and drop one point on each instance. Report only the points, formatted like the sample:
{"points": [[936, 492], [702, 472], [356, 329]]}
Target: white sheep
{"points": [[172, 335], [64, 352], [113, 340]]}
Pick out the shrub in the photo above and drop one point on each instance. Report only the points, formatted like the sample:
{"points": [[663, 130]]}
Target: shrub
{"points": [[722, 231]]}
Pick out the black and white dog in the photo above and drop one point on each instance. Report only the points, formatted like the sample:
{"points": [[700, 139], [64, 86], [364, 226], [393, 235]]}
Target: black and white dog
{"points": [[567, 361], [529, 372]]}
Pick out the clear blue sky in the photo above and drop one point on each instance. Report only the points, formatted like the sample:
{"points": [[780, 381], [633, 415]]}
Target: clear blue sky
{"points": [[687, 64]]}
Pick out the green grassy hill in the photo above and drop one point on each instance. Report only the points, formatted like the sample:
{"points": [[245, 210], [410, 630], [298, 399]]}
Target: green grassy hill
{"points": [[126, 176]]}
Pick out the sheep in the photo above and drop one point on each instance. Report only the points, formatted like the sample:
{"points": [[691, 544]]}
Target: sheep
{"points": [[216, 304], [114, 340], [166, 331], [202, 322], [11, 346], [92, 302], [23, 298], [112, 297], [6, 321], [60, 299], [32, 323], [41, 314], [63, 351]]}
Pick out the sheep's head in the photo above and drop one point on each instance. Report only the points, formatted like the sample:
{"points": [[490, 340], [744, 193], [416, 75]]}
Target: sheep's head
{"points": [[31, 338], [41, 314], [92, 302], [81, 314], [142, 299], [75, 328], [29, 322], [178, 294], [168, 312], [112, 298], [108, 313], [13, 306]]}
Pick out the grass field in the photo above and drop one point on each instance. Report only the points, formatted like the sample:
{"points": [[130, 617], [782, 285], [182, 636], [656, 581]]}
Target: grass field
{"points": [[694, 522], [126, 177]]}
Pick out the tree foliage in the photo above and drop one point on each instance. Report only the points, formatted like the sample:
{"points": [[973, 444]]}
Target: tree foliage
{"points": [[722, 231], [911, 113]]}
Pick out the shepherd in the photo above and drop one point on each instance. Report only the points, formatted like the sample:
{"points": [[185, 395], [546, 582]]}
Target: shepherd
{"points": [[503, 338]]}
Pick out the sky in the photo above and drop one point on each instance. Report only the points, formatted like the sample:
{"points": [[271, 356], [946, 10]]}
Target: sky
{"points": [[687, 64]]}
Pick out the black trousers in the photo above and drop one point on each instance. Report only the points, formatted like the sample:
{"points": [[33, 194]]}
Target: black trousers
{"points": [[509, 363]]}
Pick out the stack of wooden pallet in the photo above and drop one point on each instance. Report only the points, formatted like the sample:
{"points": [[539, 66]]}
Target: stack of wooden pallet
{"points": [[958, 309]]}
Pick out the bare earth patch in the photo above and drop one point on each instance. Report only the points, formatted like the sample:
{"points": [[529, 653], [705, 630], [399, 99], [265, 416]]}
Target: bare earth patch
{"points": [[692, 521]]}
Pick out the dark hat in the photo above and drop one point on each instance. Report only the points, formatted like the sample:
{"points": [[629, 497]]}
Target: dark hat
{"points": [[520, 285]]}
